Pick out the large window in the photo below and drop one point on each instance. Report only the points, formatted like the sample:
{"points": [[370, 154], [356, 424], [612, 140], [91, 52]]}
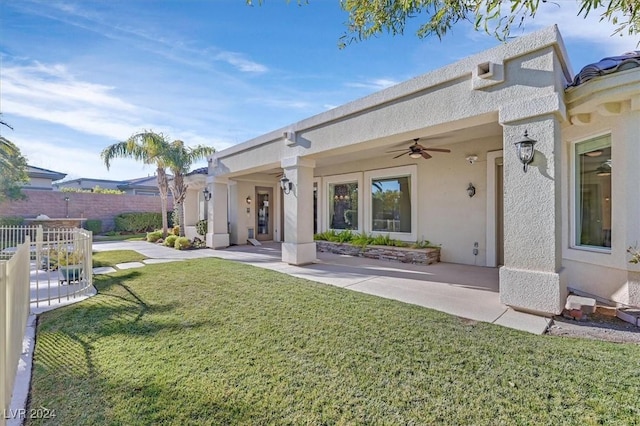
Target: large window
{"points": [[343, 205], [593, 192], [391, 204]]}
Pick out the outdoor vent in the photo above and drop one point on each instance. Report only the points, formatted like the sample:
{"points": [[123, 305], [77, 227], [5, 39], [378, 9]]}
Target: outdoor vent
{"points": [[485, 70], [289, 137]]}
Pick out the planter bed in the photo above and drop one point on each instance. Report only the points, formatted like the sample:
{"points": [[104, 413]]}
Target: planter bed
{"points": [[424, 256]]}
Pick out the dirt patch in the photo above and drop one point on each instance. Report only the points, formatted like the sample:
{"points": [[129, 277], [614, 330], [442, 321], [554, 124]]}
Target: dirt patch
{"points": [[596, 326]]}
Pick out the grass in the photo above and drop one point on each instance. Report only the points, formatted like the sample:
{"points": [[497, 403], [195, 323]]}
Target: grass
{"points": [[121, 237], [214, 342], [113, 257]]}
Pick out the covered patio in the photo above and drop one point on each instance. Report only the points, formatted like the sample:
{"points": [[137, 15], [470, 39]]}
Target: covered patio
{"points": [[467, 291]]}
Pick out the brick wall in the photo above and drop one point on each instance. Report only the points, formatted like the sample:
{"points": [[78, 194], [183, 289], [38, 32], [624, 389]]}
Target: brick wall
{"points": [[81, 205]]}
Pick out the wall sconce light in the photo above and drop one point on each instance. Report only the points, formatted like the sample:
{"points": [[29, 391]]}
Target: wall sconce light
{"points": [[207, 194], [66, 212], [472, 158], [471, 190], [525, 150], [248, 199], [286, 184]]}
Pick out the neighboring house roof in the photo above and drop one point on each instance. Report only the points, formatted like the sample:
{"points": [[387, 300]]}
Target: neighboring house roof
{"points": [[139, 183], [40, 173], [607, 65], [200, 171]]}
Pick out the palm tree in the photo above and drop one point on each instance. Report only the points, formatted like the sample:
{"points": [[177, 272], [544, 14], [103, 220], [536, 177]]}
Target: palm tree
{"points": [[150, 148], [179, 160]]}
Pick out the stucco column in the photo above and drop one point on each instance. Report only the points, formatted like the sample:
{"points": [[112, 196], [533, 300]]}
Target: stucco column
{"points": [[299, 247], [531, 278], [626, 169], [217, 229]]}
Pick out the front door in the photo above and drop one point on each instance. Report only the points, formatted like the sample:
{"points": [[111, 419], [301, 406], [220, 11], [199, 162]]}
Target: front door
{"points": [[264, 215]]}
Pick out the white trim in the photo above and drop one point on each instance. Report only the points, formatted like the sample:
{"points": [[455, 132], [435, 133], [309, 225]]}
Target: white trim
{"points": [[492, 220], [573, 222], [345, 178], [412, 172], [320, 211]]}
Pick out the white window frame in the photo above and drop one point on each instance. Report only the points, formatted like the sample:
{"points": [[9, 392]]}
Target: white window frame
{"points": [[573, 214], [412, 172], [338, 179]]}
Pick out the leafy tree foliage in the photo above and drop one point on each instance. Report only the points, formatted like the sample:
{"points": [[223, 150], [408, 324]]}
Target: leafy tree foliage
{"points": [[368, 18], [13, 170]]}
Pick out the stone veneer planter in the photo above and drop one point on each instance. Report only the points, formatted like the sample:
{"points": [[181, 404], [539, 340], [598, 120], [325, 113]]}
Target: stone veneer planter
{"points": [[425, 256]]}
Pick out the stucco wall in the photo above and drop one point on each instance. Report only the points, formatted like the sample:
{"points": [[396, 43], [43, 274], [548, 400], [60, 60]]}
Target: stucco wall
{"points": [[446, 214], [81, 205]]}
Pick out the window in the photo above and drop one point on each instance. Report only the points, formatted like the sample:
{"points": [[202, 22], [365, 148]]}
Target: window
{"points": [[593, 192], [391, 204], [343, 205]]}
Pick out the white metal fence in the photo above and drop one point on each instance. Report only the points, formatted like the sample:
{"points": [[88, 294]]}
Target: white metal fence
{"points": [[61, 262], [39, 268], [14, 311]]}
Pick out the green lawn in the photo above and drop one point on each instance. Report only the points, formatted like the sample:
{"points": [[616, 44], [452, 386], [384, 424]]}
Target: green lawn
{"points": [[214, 342]]}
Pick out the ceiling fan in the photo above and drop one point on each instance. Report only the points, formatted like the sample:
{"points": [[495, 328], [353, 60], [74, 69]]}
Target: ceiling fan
{"points": [[416, 150]]}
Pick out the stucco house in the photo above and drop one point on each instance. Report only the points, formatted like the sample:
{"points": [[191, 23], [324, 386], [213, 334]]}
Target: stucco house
{"points": [[42, 179], [562, 222], [147, 185]]}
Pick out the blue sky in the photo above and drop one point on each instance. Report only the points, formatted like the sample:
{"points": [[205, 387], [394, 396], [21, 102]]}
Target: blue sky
{"points": [[79, 75]]}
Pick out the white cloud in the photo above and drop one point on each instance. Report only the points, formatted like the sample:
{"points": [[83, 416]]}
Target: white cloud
{"points": [[51, 93], [241, 63], [373, 84]]}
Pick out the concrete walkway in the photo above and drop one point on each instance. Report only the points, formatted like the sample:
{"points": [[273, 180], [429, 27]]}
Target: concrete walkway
{"points": [[466, 291]]}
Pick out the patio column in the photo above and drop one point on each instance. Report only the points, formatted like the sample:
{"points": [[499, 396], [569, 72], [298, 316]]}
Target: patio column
{"points": [[626, 198], [299, 247], [531, 278], [217, 229]]}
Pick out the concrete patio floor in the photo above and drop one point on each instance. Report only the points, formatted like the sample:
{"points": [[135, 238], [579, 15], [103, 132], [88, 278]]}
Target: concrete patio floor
{"points": [[462, 290]]}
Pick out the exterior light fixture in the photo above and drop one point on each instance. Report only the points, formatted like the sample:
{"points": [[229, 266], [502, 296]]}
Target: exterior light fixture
{"points": [[248, 199], [66, 200], [286, 184], [525, 150], [471, 190], [207, 194], [472, 158]]}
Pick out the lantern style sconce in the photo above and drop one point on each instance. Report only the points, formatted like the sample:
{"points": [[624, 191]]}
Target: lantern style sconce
{"points": [[526, 150], [471, 190], [248, 199], [207, 194], [286, 184]]}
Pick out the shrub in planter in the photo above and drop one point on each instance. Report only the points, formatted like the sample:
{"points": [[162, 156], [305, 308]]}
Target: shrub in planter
{"points": [[154, 236], [201, 227], [182, 243], [170, 241]]}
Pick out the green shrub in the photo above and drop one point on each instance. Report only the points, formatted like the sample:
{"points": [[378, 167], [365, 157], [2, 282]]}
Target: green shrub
{"points": [[138, 222], [93, 225], [202, 227], [361, 240], [381, 240], [176, 230], [170, 241], [345, 236], [182, 243], [11, 221], [154, 236]]}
